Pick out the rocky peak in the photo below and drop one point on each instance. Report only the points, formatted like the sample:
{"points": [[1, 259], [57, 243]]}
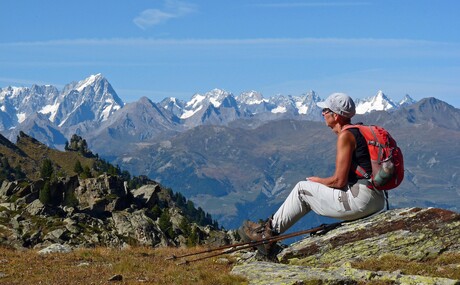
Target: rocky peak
{"points": [[379, 102], [406, 101], [251, 98], [174, 105], [91, 99]]}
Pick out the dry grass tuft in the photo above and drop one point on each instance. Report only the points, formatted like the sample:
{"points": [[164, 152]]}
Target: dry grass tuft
{"points": [[446, 265], [139, 265]]}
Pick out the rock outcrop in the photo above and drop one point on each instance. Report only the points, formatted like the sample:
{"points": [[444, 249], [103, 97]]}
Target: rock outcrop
{"points": [[74, 198], [413, 234], [98, 211]]}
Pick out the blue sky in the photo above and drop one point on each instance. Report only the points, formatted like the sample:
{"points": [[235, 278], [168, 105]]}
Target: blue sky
{"points": [[168, 48]]}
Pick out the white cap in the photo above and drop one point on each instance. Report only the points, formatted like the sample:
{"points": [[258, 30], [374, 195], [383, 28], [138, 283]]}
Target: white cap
{"points": [[339, 103]]}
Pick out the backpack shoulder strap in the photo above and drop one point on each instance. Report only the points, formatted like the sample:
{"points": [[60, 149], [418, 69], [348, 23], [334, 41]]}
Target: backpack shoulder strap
{"points": [[357, 168], [353, 126]]}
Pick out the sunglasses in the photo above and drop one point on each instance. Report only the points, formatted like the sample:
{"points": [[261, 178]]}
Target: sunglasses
{"points": [[326, 111]]}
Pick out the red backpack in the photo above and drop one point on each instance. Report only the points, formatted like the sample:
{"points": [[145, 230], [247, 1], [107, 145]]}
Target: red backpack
{"points": [[386, 158]]}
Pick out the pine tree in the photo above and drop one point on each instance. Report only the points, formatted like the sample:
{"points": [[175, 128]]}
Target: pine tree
{"points": [[193, 238], [46, 171], [78, 144], [165, 224], [86, 172], [70, 199], [185, 227], [155, 212], [77, 167], [44, 194]]}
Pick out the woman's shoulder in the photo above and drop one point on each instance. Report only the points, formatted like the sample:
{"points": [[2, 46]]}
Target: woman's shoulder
{"points": [[347, 136]]}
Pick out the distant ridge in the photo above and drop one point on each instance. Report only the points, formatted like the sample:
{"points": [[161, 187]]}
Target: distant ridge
{"points": [[89, 107]]}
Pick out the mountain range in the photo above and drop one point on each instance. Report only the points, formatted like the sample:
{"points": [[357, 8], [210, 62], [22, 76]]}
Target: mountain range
{"points": [[235, 156], [91, 106]]}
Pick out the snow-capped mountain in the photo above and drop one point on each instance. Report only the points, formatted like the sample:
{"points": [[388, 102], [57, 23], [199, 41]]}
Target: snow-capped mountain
{"points": [[199, 103], [251, 98], [306, 105], [406, 101], [17, 103], [173, 105], [379, 102], [214, 107], [221, 107], [88, 107], [253, 103], [78, 107], [92, 99]]}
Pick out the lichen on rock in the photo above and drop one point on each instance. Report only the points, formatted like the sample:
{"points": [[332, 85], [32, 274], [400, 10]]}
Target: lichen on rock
{"points": [[414, 234]]}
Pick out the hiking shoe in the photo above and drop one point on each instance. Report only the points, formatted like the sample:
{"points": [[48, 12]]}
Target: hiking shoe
{"points": [[254, 232]]}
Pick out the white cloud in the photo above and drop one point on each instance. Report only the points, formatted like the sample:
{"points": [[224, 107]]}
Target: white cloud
{"points": [[151, 17], [172, 9]]}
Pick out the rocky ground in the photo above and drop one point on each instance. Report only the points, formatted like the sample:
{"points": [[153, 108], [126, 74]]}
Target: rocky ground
{"points": [[104, 213], [413, 234]]}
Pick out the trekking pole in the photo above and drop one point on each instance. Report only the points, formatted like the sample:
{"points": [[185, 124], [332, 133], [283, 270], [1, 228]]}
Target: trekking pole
{"points": [[211, 250], [251, 243], [248, 245], [244, 245]]}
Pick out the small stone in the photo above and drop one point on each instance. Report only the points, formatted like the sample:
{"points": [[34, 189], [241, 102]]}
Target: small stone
{"points": [[223, 260], [56, 248], [117, 277], [142, 279]]}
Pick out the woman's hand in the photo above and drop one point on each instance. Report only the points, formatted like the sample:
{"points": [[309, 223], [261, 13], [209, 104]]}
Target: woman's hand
{"points": [[314, 179]]}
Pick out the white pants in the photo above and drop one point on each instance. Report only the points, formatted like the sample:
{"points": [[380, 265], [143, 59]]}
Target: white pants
{"points": [[352, 202]]}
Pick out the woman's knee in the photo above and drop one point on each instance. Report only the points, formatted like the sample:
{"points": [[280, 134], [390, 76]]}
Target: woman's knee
{"points": [[299, 187], [308, 185], [307, 188]]}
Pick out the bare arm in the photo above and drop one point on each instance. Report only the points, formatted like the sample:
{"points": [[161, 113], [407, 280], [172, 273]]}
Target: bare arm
{"points": [[346, 144]]}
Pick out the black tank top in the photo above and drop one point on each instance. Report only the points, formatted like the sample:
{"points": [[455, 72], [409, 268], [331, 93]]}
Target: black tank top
{"points": [[360, 156]]}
